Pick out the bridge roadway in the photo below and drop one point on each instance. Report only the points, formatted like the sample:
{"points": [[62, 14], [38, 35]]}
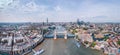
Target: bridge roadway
{"points": [[62, 46]]}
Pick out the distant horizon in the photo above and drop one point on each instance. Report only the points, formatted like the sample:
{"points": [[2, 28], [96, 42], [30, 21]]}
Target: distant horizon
{"points": [[57, 22]]}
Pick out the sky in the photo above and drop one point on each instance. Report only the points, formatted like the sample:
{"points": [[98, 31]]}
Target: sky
{"points": [[59, 10]]}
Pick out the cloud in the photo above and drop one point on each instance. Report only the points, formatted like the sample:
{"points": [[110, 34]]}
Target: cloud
{"points": [[61, 10], [32, 7], [102, 16], [4, 3], [57, 8]]}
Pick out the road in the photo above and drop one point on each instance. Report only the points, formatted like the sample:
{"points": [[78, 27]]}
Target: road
{"points": [[61, 46]]}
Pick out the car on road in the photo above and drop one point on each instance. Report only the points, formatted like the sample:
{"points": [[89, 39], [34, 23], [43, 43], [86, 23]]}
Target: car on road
{"points": [[39, 52]]}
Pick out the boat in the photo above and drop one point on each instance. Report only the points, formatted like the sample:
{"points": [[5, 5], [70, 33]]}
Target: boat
{"points": [[39, 52], [78, 44]]}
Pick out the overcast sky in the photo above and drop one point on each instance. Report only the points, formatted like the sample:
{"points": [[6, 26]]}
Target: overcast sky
{"points": [[59, 10]]}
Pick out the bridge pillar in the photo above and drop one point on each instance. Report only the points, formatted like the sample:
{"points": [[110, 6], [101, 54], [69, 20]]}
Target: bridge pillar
{"points": [[55, 37], [65, 37]]}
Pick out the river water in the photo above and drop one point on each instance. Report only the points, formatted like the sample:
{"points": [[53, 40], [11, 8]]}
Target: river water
{"points": [[63, 46]]}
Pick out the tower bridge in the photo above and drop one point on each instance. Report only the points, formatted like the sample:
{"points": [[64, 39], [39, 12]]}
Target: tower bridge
{"points": [[60, 31]]}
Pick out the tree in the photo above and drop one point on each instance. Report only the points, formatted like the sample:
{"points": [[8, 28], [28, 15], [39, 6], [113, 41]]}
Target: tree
{"points": [[93, 44], [86, 42], [74, 31], [85, 28], [118, 42], [45, 31], [106, 37]]}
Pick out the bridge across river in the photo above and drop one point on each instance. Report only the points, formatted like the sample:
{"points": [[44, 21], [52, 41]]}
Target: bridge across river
{"points": [[59, 32]]}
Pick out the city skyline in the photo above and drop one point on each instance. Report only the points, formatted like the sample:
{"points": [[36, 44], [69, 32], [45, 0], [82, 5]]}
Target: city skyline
{"points": [[59, 10]]}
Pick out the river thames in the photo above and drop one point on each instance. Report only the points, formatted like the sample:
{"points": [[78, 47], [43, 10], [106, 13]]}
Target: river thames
{"points": [[62, 46]]}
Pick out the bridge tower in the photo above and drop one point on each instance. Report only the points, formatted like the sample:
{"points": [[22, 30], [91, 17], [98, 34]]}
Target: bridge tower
{"points": [[55, 35], [65, 33]]}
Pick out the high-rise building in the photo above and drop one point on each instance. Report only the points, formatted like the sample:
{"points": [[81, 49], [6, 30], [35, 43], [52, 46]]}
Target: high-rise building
{"points": [[78, 22], [47, 20]]}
